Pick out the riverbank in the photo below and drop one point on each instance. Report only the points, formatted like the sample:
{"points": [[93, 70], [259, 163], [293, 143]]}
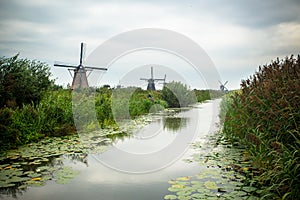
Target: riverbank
{"points": [[53, 115], [64, 168], [264, 116]]}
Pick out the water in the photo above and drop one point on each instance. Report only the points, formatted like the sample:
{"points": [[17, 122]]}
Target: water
{"points": [[136, 167]]}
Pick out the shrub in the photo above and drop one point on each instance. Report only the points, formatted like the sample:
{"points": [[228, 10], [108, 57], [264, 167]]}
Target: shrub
{"points": [[22, 81], [178, 95], [51, 117]]}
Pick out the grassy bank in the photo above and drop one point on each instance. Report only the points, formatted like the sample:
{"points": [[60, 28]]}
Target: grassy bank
{"points": [[53, 115], [264, 115]]}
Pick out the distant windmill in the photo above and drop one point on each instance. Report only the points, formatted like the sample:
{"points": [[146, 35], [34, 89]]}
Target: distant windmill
{"points": [[80, 77], [222, 86], [151, 84], [164, 83], [119, 85]]}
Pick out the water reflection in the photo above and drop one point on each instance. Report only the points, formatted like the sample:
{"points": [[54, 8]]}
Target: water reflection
{"points": [[16, 175], [95, 179], [174, 123]]}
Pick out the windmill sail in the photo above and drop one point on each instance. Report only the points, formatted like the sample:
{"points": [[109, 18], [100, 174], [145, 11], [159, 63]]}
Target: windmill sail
{"points": [[80, 77], [151, 81]]}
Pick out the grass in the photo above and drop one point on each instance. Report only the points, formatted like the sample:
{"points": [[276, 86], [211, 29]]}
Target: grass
{"points": [[53, 115], [264, 115]]}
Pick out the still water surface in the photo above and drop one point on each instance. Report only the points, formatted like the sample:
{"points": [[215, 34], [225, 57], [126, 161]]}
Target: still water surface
{"points": [[136, 167]]}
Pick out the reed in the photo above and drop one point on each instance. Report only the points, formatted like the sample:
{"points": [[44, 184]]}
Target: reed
{"points": [[265, 114]]}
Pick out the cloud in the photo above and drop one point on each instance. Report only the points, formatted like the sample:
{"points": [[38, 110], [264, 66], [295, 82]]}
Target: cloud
{"points": [[237, 35]]}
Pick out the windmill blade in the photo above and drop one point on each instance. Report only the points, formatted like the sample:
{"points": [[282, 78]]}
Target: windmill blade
{"points": [[97, 68], [159, 79], [82, 53], [151, 72], [225, 83], [220, 82], [144, 79], [62, 65]]}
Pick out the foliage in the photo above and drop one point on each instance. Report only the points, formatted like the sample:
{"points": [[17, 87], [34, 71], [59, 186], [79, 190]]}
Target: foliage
{"points": [[22, 81], [203, 95], [224, 173], [32, 107], [103, 107], [177, 95], [51, 117], [265, 114]]}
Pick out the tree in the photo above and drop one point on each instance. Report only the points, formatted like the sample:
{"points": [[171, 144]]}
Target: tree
{"points": [[22, 81], [177, 95]]}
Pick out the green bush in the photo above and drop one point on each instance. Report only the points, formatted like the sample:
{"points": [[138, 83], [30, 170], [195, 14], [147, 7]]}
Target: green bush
{"points": [[22, 81], [178, 95], [132, 102], [51, 117], [265, 114]]}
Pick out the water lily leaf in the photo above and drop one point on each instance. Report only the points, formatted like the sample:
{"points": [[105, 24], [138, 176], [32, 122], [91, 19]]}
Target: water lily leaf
{"points": [[65, 175], [35, 183], [36, 179], [8, 167], [34, 175], [43, 168], [172, 182], [183, 193], [22, 187], [249, 189], [170, 196], [16, 179], [184, 197], [184, 178], [239, 193], [210, 185], [176, 188], [6, 185]]}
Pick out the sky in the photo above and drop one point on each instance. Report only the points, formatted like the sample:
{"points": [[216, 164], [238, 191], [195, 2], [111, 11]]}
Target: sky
{"points": [[238, 36]]}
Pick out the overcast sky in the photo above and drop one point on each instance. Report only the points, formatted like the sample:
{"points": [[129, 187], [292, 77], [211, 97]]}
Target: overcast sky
{"points": [[237, 35]]}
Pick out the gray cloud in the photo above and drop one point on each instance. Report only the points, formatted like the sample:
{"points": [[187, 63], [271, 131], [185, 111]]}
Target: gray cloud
{"points": [[238, 35]]}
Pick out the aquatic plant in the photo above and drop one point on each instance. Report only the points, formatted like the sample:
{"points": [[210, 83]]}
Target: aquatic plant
{"points": [[224, 173], [265, 114]]}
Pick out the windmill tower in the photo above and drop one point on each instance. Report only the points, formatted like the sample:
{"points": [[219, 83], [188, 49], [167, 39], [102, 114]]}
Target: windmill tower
{"points": [[222, 86], [80, 77], [151, 84]]}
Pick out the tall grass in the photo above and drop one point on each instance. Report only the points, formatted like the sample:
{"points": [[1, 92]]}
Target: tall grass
{"points": [[265, 115]]}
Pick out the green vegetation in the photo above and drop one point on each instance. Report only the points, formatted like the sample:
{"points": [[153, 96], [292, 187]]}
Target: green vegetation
{"points": [[22, 81], [178, 95], [52, 116], [32, 107], [223, 174], [264, 115]]}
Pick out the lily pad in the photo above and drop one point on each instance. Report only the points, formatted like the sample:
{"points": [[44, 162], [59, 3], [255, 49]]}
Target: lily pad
{"points": [[184, 178], [6, 185], [170, 197], [65, 175], [211, 185]]}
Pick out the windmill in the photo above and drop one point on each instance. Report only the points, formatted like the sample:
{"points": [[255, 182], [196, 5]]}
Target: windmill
{"points": [[80, 77], [164, 83], [222, 86], [151, 85]]}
